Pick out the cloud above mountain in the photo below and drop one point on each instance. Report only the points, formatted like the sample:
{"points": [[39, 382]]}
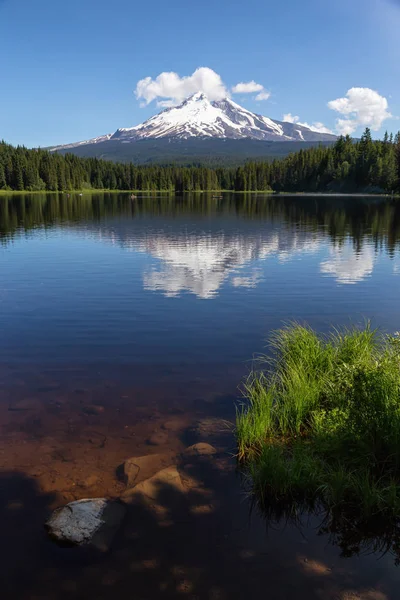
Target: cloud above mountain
{"points": [[170, 89], [263, 96], [251, 87], [247, 88], [361, 107]]}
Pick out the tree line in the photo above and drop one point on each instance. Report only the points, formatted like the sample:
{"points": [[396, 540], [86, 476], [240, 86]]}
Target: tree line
{"points": [[365, 165]]}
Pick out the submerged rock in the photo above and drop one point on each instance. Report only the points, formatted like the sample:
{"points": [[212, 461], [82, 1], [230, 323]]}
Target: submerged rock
{"points": [[138, 468], [161, 486], [200, 449], [88, 522]]}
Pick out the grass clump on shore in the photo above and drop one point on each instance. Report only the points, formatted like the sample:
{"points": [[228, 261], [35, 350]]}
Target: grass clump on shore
{"points": [[321, 424]]}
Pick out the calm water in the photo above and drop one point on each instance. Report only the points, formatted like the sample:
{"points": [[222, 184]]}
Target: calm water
{"points": [[187, 281], [151, 310]]}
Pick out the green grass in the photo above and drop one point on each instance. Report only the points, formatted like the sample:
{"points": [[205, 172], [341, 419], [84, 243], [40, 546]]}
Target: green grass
{"points": [[321, 422]]}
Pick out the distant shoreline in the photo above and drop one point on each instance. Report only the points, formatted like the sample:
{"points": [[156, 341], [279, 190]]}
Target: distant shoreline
{"points": [[174, 193]]}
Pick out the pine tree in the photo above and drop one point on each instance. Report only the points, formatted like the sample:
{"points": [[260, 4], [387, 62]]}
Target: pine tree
{"points": [[397, 158], [18, 175], [2, 177], [389, 173]]}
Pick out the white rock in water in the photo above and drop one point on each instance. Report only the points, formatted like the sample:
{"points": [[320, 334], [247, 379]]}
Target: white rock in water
{"points": [[89, 521]]}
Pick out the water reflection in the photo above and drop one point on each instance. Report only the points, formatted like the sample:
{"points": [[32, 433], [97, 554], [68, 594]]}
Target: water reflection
{"points": [[200, 263], [199, 244], [347, 265], [352, 534]]}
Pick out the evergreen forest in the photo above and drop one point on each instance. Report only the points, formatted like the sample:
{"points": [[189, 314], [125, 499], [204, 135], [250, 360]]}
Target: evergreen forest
{"points": [[365, 165]]}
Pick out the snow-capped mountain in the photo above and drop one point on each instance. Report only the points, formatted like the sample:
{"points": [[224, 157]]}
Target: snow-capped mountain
{"points": [[197, 117]]}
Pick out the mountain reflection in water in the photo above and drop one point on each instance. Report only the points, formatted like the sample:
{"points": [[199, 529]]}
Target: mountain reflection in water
{"points": [[199, 244]]}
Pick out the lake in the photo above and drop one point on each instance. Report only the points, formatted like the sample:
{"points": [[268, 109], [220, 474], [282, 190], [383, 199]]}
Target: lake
{"points": [[119, 317]]}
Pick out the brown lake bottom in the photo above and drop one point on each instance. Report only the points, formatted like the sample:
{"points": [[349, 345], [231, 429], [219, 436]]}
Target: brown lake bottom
{"points": [[65, 432]]}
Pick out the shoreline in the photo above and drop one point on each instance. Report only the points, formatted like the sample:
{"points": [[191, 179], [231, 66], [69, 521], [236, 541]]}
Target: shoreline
{"points": [[174, 193]]}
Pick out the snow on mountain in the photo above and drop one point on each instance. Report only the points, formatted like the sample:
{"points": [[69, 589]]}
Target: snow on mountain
{"points": [[200, 118], [97, 140]]}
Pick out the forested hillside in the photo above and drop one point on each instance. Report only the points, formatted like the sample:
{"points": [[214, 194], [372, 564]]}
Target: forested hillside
{"points": [[347, 166], [209, 152]]}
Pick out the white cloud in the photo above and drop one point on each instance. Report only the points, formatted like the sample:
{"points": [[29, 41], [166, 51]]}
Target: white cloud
{"points": [[319, 127], [263, 95], [247, 88], [289, 118], [345, 126], [251, 87], [171, 89], [361, 107], [316, 126]]}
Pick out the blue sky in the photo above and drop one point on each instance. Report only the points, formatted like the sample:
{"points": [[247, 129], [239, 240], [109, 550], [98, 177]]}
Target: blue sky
{"points": [[69, 69]]}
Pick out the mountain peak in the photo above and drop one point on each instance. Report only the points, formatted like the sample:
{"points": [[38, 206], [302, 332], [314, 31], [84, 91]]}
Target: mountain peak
{"points": [[196, 97], [198, 117]]}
